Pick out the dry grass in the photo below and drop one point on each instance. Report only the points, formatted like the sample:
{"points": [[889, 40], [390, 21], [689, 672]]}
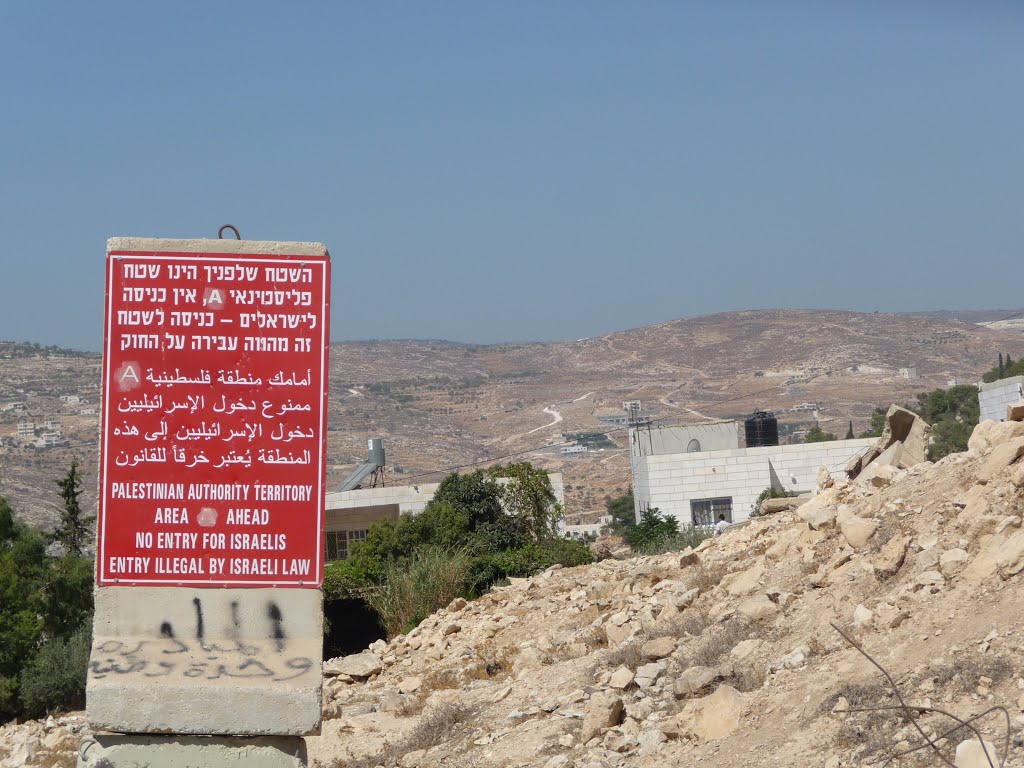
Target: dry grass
{"points": [[962, 676], [440, 680], [411, 705], [690, 623], [594, 638], [436, 725], [871, 733], [57, 760], [627, 655], [857, 695], [748, 677], [706, 577], [717, 643], [693, 621]]}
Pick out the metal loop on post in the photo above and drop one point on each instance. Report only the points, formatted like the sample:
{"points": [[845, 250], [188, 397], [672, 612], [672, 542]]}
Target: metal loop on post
{"points": [[220, 232]]}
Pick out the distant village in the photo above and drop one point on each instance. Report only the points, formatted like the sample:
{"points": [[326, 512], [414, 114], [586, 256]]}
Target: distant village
{"points": [[696, 473]]}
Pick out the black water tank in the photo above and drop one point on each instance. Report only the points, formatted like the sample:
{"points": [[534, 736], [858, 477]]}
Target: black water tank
{"points": [[761, 428]]}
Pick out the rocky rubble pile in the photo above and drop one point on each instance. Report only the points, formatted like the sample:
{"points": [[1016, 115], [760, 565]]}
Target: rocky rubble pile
{"points": [[725, 654], [49, 742]]}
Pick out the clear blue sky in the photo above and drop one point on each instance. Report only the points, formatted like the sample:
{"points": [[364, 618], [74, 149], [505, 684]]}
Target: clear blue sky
{"points": [[522, 171]]}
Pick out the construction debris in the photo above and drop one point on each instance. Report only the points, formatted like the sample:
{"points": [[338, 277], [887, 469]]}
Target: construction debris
{"points": [[903, 443]]}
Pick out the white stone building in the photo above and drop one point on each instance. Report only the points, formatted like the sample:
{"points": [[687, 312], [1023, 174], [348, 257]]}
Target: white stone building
{"points": [[572, 450], [690, 439], [50, 439], [697, 486], [995, 396], [581, 531]]}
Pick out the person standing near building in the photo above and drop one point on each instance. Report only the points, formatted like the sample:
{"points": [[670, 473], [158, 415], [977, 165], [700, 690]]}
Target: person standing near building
{"points": [[721, 525]]}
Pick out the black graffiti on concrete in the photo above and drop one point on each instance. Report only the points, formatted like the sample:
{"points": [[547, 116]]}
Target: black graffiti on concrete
{"points": [[278, 629], [121, 658], [124, 658], [199, 620]]}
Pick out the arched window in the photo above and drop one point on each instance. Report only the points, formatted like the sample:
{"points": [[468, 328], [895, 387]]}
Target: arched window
{"points": [[693, 446]]}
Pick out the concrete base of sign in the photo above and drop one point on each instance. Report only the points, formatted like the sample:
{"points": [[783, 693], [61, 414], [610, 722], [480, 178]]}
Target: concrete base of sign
{"points": [[116, 751], [206, 661]]}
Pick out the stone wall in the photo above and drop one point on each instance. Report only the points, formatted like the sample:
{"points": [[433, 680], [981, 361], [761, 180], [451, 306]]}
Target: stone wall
{"points": [[994, 397]]}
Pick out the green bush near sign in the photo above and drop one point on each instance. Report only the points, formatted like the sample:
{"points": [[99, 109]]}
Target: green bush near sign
{"points": [[475, 532], [45, 621]]}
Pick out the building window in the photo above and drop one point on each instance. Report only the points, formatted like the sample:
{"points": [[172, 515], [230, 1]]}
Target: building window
{"points": [[338, 544], [705, 512]]}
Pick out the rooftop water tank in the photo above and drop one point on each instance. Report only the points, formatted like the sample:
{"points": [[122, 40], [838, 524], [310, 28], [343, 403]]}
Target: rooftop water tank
{"points": [[375, 452], [761, 428]]}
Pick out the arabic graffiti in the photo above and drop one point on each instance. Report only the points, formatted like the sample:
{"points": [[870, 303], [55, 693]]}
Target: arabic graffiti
{"points": [[207, 660]]}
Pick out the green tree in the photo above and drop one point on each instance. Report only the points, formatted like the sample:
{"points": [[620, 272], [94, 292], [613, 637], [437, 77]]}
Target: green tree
{"points": [[73, 530], [652, 526], [22, 564], [622, 511], [849, 432], [528, 495], [492, 530], [816, 435], [65, 595], [55, 677], [959, 402], [877, 423], [7, 523], [1006, 368], [953, 414]]}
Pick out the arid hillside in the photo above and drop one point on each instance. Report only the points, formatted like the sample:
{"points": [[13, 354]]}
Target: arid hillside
{"points": [[440, 404], [725, 655]]}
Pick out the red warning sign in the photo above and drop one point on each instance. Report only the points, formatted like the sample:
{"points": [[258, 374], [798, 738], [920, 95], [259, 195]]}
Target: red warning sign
{"points": [[213, 439]]}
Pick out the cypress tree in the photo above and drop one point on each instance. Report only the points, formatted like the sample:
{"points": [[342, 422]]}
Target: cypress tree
{"points": [[73, 531], [1001, 369]]}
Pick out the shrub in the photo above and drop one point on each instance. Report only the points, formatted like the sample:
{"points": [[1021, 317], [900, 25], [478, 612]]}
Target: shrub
{"points": [[817, 435], [344, 579], [687, 536], [55, 678], [771, 492], [485, 571], [652, 525], [413, 589], [657, 533]]}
